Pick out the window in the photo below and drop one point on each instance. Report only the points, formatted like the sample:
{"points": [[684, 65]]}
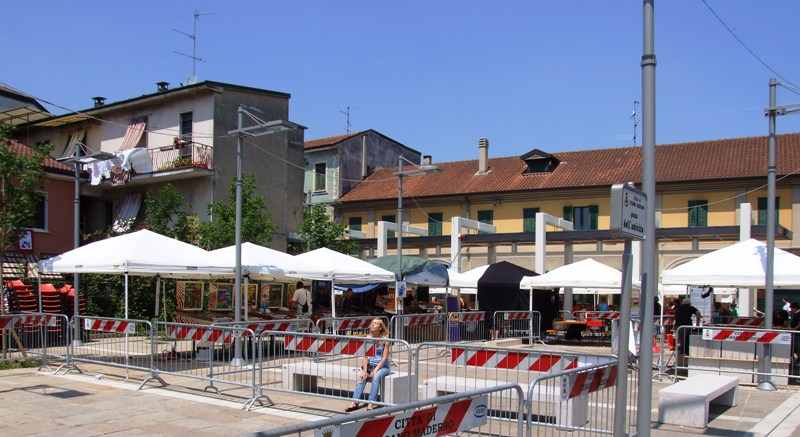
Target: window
{"points": [[435, 220], [486, 216], [762, 210], [320, 171], [186, 126], [583, 218], [354, 224], [391, 219], [698, 213], [39, 218], [529, 219]]}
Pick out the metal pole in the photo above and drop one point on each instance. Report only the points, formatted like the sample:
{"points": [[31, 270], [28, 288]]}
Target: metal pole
{"points": [[649, 246], [245, 297], [237, 285], [621, 395], [765, 358], [333, 303], [39, 284], [76, 338], [398, 301], [126, 334], [158, 296]]}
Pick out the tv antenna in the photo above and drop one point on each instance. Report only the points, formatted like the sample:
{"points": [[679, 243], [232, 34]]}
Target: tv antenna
{"points": [[635, 119], [193, 36], [346, 114]]}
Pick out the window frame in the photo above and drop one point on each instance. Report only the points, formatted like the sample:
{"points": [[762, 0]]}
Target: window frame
{"points": [[761, 214], [350, 221], [46, 227], [181, 133], [437, 223], [532, 219], [485, 211], [324, 177], [386, 218], [697, 205], [593, 211]]}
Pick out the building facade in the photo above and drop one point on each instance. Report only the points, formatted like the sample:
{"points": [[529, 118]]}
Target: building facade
{"points": [[180, 136], [700, 187], [335, 165]]}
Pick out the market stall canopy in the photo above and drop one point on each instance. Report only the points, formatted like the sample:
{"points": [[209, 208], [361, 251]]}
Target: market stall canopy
{"points": [[260, 262], [140, 253], [416, 270], [468, 279], [586, 273], [332, 265], [739, 265], [443, 290]]}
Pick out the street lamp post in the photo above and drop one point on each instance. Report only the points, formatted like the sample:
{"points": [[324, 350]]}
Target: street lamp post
{"points": [[78, 155], [415, 170], [260, 128]]}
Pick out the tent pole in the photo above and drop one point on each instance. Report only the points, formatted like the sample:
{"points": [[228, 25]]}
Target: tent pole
{"points": [[126, 318], [244, 297], [333, 307], [39, 282], [530, 316], [158, 295]]}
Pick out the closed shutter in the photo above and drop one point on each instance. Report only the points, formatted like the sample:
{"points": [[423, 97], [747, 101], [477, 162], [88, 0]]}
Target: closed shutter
{"points": [[762, 210], [593, 212], [529, 219], [390, 219], [435, 223], [698, 213], [568, 213]]}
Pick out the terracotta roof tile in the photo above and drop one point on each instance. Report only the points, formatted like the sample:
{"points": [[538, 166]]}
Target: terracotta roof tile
{"points": [[695, 161], [327, 141], [49, 163]]}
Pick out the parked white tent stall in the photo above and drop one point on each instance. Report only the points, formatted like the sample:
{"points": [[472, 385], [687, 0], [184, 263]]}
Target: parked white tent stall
{"points": [[330, 265]]}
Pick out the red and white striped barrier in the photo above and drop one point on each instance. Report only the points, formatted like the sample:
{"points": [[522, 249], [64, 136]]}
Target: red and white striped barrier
{"points": [[531, 362], [762, 337], [600, 315], [422, 319], [273, 325], [517, 315], [9, 321], [212, 335], [439, 420], [114, 326], [477, 316], [580, 383], [746, 321], [329, 345], [346, 324]]}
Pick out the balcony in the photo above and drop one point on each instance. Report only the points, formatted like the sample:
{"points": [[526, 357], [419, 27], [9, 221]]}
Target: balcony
{"points": [[181, 155]]}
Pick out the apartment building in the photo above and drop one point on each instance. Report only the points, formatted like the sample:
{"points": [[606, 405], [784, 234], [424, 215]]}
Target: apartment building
{"points": [[700, 187], [336, 164], [179, 136]]}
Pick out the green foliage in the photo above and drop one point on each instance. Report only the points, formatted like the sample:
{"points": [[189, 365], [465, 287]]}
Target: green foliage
{"points": [[105, 295], [165, 213], [20, 182], [257, 225], [318, 230]]}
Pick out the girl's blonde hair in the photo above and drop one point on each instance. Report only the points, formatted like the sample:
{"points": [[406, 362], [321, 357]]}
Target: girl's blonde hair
{"points": [[384, 331]]}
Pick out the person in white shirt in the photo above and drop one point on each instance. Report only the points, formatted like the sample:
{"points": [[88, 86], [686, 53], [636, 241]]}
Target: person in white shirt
{"points": [[301, 300]]}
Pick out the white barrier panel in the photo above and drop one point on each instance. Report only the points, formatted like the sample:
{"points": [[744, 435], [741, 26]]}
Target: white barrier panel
{"points": [[525, 361], [437, 420], [103, 325], [761, 337], [577, 384]]}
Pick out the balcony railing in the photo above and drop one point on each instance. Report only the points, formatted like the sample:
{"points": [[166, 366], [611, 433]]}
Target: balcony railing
{"points": [[181, 155]]}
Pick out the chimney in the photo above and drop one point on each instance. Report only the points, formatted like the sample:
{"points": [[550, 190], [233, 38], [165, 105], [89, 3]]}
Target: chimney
{"points": [[99, 101], [483, 156], [427, 160], [162, 86]]}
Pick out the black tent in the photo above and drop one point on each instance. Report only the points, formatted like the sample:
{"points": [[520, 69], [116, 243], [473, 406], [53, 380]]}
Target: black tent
{"points": [[498, 290]]}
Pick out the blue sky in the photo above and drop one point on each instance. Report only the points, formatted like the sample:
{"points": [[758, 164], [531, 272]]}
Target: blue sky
{"points": [[436, 75]]}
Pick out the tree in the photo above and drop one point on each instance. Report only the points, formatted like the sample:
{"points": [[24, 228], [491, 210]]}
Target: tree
{"points": [[165, 213], [318, 230], [257, 225]]}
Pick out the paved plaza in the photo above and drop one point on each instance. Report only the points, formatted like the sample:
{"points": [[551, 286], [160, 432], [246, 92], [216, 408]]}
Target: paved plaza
{"points": [[39, 403]]}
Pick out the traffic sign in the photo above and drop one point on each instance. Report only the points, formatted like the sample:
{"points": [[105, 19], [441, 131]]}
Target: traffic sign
{"points": [[628, 210]]}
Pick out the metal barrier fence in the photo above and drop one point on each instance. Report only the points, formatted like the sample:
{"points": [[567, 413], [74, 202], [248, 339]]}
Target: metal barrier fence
{"points": [[518, 324], [329, 365], [259, 326], [468, 326], [469, 412], [735, 351], [443, 368], [419, 328], [43, 336], [348, 325], [580, 400]]}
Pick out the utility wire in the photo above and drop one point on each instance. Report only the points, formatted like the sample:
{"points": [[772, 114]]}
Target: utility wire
{"points": [[792, 86]]}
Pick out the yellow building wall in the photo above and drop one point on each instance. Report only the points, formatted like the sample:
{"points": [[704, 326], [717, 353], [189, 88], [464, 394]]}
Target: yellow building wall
{"points": [[508, 215]]}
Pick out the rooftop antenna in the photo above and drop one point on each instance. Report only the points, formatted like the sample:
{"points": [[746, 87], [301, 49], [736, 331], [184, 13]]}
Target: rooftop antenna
{"points": [[193, 36], [346, 114], [635, 118]]}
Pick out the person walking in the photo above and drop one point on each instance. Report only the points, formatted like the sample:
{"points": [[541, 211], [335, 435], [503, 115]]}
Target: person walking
{"points": [[301, 300], [683, 317]]}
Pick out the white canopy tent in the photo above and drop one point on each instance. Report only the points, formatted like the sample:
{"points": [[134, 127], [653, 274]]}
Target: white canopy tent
{"points": [[584, 274], [740, 265], [140, 253], [330, 265], [468, 279], [443, 290]]}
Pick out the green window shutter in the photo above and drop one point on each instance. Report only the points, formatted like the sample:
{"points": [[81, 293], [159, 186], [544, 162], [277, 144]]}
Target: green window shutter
{"points": [[389, 218], [354, 224], [568, 213], [762, 210], [529, 219], [486, 216], [435, 223], [593, 213], [698, 213]]}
